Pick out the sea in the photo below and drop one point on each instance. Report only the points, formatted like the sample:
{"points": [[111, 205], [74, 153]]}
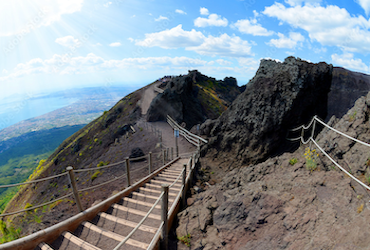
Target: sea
{"points": [[19, 109]]}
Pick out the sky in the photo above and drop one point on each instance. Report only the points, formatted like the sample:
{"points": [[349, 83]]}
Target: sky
{"points": [[49, 45]]}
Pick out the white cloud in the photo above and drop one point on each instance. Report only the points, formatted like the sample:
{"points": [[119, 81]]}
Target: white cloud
{"points": [[223, 45], [5, 71], [330, 25], [287, 42], [299, 2], [365, 4], [131, 39], [250, 63], [106, 5], [98, 44], [116, 44], [68, 41], [223, 62], [346, 60], [173, 38], [212, 20], [160, 18], [29, 15], [251, 27], [180, 12], [204, 11], [64, 65]]}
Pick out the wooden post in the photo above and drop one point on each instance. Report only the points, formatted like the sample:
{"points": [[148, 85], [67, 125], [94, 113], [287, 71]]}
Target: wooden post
{"points": [[191, 162], [167, 154], [177, 148], [198, 145], [160, 139], [164, 156], [171, 153], [150, 162], [72, 181], [183, 186], [164, 216], [128, 171]]}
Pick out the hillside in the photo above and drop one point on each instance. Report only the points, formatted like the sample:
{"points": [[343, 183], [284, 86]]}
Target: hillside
{"points": [[102, 141]]}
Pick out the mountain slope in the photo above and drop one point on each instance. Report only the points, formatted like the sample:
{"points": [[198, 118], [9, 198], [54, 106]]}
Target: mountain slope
{"points": [[100, 142]]}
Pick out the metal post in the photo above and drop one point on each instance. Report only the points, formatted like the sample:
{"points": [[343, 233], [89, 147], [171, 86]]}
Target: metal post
{"points": [[128, 171], [150, 162], [183, 186], [72, 181], [171, 153], [167, 154], [164, 214], [164, 156], [177, 148]]}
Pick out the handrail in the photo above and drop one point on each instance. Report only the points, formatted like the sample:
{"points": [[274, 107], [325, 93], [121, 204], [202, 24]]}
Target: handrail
{"points": [[175, 124], [38, 206], [35, 181]]}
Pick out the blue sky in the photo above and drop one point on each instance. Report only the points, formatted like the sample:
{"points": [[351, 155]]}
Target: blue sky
{"points": [[53, 45]]}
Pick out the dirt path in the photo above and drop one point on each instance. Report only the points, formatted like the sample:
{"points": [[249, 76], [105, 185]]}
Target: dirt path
{"points": [[148, 97]]}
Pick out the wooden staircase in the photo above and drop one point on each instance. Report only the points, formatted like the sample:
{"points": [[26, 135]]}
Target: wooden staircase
{"points": [[110, 227]]}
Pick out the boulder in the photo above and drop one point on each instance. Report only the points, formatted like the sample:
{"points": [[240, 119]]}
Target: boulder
{"points": [[281, 96], [136, 153]]}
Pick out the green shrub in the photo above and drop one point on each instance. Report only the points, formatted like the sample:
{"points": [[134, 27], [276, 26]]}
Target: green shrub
{"points": [[95, 175], [311, 157], [185, 240], [293, 161]]}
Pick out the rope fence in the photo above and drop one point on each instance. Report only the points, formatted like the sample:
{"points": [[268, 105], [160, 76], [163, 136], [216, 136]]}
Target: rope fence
{"points": [[311, 139]]}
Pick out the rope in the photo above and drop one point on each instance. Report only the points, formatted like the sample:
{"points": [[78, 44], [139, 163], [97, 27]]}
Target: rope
{"points": [[102, 167], [341, 133], [173, 183], [336, 164], [156, 236], [138, 158], [139, 224], [35, 181], [34, 207], [102, 184], [303, 126]]}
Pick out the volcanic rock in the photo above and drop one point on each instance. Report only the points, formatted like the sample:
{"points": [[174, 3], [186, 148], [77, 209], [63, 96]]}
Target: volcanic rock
{"points": [[193, 98], [279, 97], [136, 153], [346, 87]]}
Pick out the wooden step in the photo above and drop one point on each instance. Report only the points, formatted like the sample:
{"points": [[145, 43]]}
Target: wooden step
{"points": [[111, 235], [158, 187], [77, 243], [178, 185], [146, 197], [127, 223], [154, 191], [137, 212], [174, 177], [44, 246]]}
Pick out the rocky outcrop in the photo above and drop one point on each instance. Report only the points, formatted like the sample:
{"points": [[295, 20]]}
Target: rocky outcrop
{"points": [[346, 87], [277, 205], [280, 97], [351, 155], [193, 98]]}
